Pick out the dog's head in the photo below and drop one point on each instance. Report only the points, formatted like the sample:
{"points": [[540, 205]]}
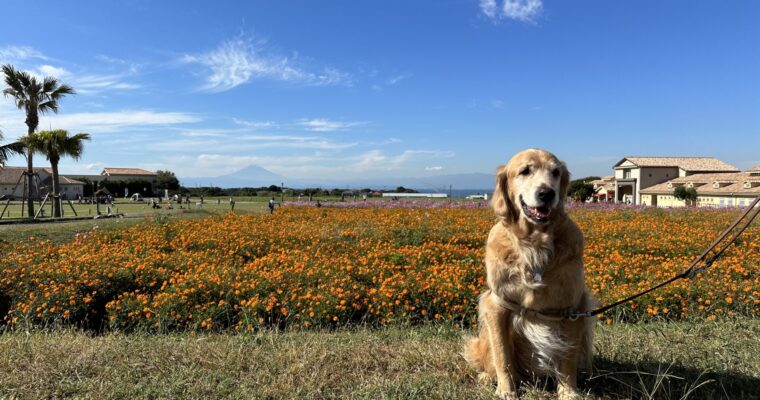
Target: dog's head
{"points": [[533, 185]]}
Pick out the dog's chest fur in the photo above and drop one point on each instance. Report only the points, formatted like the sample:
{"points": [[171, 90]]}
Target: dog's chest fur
{"points": [[531, 270]]}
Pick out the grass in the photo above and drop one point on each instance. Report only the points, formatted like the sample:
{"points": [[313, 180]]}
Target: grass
{"points": [[658, 360], [214, 204], [15, 212], [63, 231]]}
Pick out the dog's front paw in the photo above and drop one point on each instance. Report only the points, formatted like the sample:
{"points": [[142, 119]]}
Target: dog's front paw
{"points": [[564, 393], [506, 394]]}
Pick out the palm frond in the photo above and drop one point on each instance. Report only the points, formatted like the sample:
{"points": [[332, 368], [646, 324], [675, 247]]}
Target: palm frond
{"points": [[31, 142], [12, 78], [50, 105], [49, 84], [61, 91], [57, 143], [27, 81], [15, 87], [10, 149], [32, 95]]}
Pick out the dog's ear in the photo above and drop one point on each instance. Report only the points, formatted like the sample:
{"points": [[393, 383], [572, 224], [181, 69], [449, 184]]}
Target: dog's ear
{"points": [[501, 202], [564, 183]]}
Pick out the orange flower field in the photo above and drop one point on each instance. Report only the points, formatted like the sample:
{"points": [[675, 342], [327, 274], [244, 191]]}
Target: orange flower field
{"points": [[309, 267]]}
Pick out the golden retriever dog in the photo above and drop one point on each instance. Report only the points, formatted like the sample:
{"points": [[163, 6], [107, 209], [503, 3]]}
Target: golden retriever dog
{"points": [[534, 266]]}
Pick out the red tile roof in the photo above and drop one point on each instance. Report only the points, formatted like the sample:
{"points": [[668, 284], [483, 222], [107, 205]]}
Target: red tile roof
{"points": [[126, 171], [706, 164]]}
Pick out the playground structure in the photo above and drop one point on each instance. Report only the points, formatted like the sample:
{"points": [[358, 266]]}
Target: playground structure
{"points": [[35, 179]]}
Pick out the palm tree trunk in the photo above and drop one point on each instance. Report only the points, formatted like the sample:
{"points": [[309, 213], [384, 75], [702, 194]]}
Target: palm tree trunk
{"points": [[30, 186], [56, 191], [31, 122]]}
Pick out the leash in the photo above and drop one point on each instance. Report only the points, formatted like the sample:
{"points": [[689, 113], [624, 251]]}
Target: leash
{"points": [[752, 211]]}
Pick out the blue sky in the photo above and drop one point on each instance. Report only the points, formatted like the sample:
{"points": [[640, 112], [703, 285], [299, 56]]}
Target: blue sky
{"points": [[347, 89]]}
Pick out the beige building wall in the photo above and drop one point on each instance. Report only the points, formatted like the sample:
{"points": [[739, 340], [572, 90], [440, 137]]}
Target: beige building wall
{"points": [[653, 176], [7, 188], [725, 201], [668, 200], [646, 177], [121, 178], [70, 190]]}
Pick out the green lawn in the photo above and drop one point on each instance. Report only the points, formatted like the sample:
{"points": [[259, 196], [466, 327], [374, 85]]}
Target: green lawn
{"points": [[659, 360], [64, 230], [138, 207]]}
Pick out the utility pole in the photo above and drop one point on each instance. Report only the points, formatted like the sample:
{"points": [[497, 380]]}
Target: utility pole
{"points": [[282, 193], [450, 199]]}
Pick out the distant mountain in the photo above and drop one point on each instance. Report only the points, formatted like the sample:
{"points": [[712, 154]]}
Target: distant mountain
{"points": [[255, 176], [250, 176], [436, 183]]}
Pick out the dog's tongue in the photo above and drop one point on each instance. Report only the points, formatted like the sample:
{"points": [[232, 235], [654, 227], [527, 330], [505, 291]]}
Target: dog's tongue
{"points": [[539, 212]]}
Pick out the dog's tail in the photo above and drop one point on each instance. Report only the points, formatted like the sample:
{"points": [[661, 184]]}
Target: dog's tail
{"points": [[476, 352]]}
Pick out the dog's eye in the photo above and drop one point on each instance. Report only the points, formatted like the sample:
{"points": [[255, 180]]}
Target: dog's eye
{"points": [[525, 171], [555, 172]]}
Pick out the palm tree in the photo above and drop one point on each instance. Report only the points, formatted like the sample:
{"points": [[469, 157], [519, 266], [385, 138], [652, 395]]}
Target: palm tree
{"points": [[7, 150], [33, 97], [54, 145]]}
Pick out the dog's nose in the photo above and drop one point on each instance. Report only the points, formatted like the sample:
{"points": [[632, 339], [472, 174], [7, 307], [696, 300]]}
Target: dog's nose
{"points": [[545, 194]]}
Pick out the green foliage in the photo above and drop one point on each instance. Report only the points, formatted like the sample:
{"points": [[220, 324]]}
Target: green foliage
{"points": [[402, 189], [88, 187], [166, 180], [580, 190], [7, 150], [57, 143], [133, 185], [688, 195]]}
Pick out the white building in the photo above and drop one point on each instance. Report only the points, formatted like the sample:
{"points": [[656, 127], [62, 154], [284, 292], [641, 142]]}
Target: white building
{"points": [[412, 195]]}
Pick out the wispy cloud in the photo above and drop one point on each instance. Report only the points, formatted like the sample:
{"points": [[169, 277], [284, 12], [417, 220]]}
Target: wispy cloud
{"points": [[396, 79], [132, 67], [116, 121], [19, 53], [306, 166], [234, 141], [390, 81], [255, 124], [241, 60], [379, 161], [520, 10], [215, 164], [86, 83], [326, 125], [436, 168]]}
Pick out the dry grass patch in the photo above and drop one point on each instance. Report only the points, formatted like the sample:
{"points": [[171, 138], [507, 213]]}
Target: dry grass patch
{"points": [[658, 360]]}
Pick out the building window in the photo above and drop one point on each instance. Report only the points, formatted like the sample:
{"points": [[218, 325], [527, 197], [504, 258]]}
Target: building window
{"points": [[626, 174]]}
